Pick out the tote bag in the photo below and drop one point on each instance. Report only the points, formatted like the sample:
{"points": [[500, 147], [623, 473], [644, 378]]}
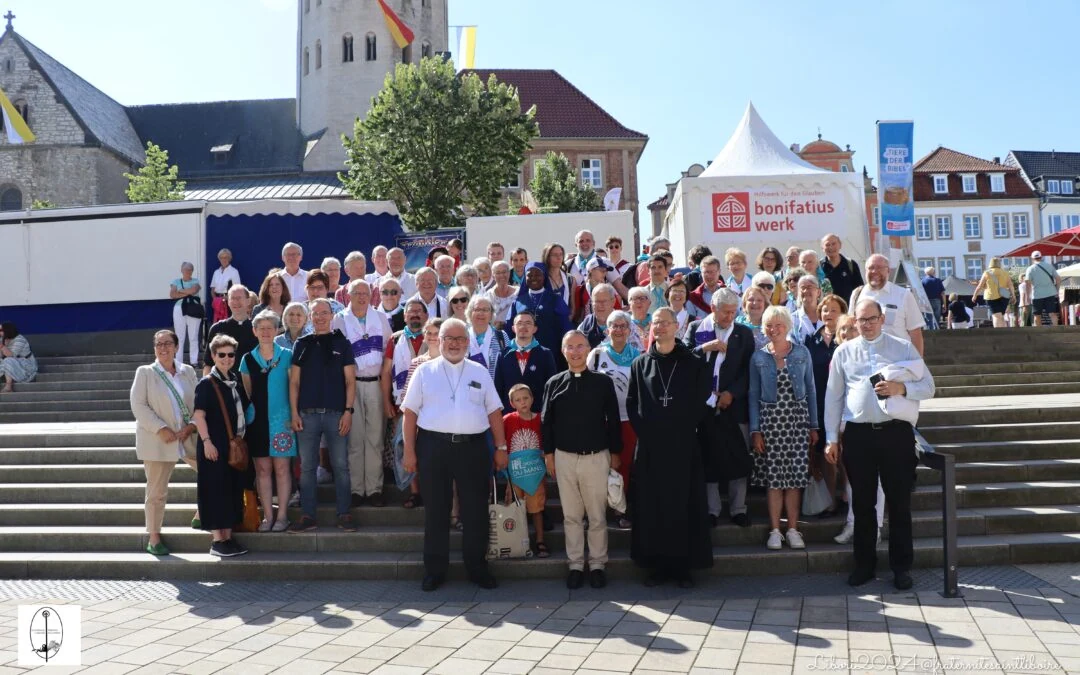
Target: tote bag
{"points": [[508, 527]]}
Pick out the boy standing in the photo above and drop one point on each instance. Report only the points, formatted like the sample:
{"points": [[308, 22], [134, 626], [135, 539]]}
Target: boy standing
{"points": [[523, 433]]}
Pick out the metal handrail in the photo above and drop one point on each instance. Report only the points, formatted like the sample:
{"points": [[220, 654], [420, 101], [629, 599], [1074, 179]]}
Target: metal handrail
{"points": [[946, 464]]}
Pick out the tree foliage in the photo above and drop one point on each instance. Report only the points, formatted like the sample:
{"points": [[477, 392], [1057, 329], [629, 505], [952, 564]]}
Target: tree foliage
{"points": [[438, 144], [557, 188], [38, 204], [156, 181]]}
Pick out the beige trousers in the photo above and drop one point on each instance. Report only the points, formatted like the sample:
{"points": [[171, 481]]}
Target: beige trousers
{"points": [[366, 440], [157, 492], [582, 483]]}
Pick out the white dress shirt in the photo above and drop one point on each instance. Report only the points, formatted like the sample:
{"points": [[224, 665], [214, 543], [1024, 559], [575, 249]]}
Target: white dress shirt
{"points": [[406, 281], [898, 304], [437, 308], [452, 398], [223, 278], [297, 284]]}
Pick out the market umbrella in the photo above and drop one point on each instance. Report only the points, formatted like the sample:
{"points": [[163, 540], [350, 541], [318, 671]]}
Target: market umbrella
{"points": [[1072, 271], [1066, 242], [962, 287]]}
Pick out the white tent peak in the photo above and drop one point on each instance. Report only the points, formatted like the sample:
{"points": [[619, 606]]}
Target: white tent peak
{"points": [[754, 150]]}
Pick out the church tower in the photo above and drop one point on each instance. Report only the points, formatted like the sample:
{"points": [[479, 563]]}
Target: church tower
{"points": [[344, 52]]}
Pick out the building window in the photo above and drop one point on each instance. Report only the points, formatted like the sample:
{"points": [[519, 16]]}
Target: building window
{"points": [[307, 61], [924, 263], [922, 227], [406, 54], [537, 163], [946, 267], [997, 182], [10, 199], [1021, 262], [369, 48], [1072, 221], [1020, 225], [968, 181], [1001, 225], [944, 227], [591, 173], [1053, 224], [844, 168], [425, 50], [1053, 187], [347, 48], [514, 182], [972, 227], [1066, 187], [973, 267], [9, 66], [941, 184], [23, 108], [318, 54]]}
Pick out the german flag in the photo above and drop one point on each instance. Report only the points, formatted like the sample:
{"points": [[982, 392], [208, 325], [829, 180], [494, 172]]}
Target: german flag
{"points": [[401, 33]]}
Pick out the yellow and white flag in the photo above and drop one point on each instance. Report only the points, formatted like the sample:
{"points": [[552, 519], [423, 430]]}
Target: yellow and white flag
{"points": [[14, 125], [466, 56]]}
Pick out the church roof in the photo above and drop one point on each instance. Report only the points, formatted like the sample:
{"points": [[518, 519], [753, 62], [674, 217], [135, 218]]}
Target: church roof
{"points": [[562, 110], [820, 146], [103, 118], [251, 137]]}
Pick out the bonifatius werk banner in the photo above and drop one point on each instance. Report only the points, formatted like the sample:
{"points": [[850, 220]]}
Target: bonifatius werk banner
{"points": [[896, 199], [416, 246]]}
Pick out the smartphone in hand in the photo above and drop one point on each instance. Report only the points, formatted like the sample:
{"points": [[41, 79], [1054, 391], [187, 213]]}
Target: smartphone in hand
{"points": [[874, 379]]}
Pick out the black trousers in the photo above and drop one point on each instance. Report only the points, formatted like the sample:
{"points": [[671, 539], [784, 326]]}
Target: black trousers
{"points": [[440, 463], [886, 452]]}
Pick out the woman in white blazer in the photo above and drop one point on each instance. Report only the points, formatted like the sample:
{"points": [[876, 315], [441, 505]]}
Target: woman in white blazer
{"points": [[162, 400]]}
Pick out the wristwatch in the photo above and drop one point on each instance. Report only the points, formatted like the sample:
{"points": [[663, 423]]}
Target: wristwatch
{"points": [[500, 447], [349, 410]]}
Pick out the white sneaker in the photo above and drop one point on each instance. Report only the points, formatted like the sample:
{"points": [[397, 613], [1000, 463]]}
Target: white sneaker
{"points": [[795, 540], [323, 476], [295, 499], [776, 541], [846, 534], [879, 534], [280, 525], [265, 526]]}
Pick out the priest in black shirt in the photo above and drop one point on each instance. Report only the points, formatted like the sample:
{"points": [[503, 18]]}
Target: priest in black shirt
{"points": [[666, 403], [237, 326], [582, 438]]}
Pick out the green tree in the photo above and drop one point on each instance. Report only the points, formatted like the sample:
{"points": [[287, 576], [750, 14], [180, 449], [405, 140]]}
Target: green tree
{"points": [[156, 181], [439, 145], [557, 189], [41, 204]]}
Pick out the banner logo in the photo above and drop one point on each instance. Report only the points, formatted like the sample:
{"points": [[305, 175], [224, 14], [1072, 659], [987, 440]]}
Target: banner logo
{"points": [[731, 211]]}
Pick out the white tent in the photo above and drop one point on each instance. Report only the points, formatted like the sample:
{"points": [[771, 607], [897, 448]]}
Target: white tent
{"points": [[758, 193], [1070, 272]]}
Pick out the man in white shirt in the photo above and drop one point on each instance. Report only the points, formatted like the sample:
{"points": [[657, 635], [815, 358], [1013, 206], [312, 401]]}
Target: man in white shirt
{"points": [[450, 405], [369, 334], [903, 318], [427, 284], [395, 264], [586, 251], [378, 259], [444, 268], [875, 384], [294, 277]]}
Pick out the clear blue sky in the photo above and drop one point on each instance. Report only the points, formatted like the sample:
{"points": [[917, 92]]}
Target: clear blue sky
{"points": [[982, 77]]}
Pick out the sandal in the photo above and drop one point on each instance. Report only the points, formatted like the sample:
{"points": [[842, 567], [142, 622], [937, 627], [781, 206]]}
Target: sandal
{"points": [[542, 550], [413, 501], [455, 523]]}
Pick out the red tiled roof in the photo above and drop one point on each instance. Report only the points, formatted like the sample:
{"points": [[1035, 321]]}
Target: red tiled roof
{"points": [[562, 110], [820, 146], [944, 160], [661, 203]]}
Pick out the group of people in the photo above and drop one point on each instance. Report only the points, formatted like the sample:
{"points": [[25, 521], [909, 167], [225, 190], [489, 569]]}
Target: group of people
{"points": [[681, 383]]}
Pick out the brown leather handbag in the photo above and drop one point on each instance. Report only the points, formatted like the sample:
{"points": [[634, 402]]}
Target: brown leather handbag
{"points": [[238, 449]]}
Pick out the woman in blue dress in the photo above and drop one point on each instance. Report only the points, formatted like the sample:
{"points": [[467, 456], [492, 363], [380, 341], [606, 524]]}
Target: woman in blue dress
{"points": [[271, 441], [552, 314]]}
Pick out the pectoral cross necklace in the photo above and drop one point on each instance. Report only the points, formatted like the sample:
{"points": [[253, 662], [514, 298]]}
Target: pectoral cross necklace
{"points": [[666, 398]]}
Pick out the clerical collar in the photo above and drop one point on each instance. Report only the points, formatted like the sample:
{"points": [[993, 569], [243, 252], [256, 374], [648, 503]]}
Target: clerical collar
{"points": [[876, 340], [578, 374], [532, 292]]}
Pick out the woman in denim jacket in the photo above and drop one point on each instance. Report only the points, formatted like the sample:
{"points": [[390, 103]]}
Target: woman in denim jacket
{"points": [[783, 422]]}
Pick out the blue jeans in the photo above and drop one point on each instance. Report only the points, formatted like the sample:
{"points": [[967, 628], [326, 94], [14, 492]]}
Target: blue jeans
{"points": [[315, 425]]}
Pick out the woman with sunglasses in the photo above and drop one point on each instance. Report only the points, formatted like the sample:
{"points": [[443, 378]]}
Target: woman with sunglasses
{"points": [[220, 408], [391, 304], [458, 299], [613, 246], [772, 261]]}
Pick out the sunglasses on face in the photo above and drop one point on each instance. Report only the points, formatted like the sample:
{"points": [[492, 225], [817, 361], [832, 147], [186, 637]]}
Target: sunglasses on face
{"points": [[225, 355], [390, 292], [768, 286], [459, 301]]}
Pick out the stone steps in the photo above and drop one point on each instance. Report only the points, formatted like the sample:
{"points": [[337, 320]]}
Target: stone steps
{"points": [[973, 358], [969, 380], [1006, 549], [60, 398], [1002, 368], [1008, 389], [975, 432], [60, 385]]}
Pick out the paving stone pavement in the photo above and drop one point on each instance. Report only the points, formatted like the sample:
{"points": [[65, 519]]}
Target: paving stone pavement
{"points": [[812, 623]]}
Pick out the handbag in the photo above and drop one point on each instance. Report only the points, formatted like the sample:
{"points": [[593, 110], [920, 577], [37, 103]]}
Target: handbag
{"points": [[816, 497], [221, 308], [252, 517], [190, 306], [508, 529], [527, 469], [238, 450], [616, 495], [402, 478]]}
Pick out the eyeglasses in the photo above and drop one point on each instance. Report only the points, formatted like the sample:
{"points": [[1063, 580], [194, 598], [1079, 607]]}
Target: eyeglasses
{"points": [[611, 246], [390, 291], [662, 324], [868, 320], [458, 301], [157, 345], [225, 355], [619, 326], [453, 339]]}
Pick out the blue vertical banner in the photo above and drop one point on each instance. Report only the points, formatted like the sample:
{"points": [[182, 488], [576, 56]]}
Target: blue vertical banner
{"points": [[895, 143]]}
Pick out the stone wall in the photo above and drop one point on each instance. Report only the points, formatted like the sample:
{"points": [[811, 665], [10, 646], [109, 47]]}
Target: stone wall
{"points": [[49, 119]]}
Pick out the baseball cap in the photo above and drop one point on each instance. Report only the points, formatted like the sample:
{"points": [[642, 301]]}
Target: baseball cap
{"points": [[596, 261], [1036, 254]]}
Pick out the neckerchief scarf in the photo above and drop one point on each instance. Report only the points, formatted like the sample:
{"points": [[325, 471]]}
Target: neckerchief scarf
{"points": [[629, 353], [518, 348], [241, 424]]}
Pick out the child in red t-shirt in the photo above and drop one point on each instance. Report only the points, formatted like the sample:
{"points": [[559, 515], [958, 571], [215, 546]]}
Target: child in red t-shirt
{"points": [[523, 433]]}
